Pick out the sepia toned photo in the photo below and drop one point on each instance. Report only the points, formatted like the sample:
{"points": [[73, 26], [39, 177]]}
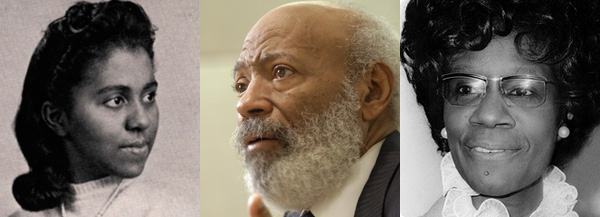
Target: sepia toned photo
{"points": [[101, 108]]}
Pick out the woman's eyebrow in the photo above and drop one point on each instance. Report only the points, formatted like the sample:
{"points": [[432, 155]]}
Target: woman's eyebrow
{"points": [[111, 88], [459, 68], [150, 85], [124, 88]]}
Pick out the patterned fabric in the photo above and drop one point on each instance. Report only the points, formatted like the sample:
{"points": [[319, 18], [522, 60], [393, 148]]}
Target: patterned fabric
{"points": [[292, 214], [558, 200], [306, 213], [381, 194]]}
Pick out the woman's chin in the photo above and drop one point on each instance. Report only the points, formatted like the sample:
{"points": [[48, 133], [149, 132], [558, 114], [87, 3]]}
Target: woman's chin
{"points": [[493, 185], [129, 172]]}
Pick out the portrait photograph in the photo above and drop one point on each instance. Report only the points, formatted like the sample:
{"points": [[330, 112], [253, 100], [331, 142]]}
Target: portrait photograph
{"points": [[224, 26], [101, 108], [499, 108]]}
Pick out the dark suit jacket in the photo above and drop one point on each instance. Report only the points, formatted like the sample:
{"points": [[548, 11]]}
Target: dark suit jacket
{"points": [[381, 194]]}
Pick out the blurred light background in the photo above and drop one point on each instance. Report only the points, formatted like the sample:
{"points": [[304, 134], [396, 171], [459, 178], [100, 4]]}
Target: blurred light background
{"points": [[223, 27]]}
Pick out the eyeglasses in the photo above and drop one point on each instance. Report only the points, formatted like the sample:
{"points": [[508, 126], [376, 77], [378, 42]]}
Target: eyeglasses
{"points": [[526, 91]]}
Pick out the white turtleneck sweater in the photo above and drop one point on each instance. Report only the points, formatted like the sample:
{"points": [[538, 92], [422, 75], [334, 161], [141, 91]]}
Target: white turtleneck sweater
{"points": [[134, 198]]}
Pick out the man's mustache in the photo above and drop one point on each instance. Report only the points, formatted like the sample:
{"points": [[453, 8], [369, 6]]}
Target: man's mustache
{"points": [[258, 127]]}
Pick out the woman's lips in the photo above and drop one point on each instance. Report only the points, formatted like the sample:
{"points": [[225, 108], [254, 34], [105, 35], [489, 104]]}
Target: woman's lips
{"points": [[136, 148], [491, 152], [485, 150]]}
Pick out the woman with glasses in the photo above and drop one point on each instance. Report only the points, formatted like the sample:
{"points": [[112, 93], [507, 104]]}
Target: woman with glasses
{"points": [[509, 90]]}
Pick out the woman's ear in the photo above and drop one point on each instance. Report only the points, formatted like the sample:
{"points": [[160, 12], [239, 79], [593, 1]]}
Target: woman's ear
{"points": [[55, 118], [379, 80]]}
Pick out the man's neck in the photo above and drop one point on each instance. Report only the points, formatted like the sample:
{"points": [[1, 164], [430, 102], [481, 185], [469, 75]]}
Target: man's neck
{"points": [[378, 130]]}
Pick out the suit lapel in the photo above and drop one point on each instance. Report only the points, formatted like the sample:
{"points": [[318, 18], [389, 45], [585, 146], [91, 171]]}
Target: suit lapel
{"points": [[381, 192]]}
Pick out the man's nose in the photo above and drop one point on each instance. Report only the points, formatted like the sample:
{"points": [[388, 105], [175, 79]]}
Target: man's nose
{"points": [[254, 101]]}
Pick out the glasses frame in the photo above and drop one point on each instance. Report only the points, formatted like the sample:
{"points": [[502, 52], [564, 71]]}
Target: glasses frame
{"points": [[500, 80]]}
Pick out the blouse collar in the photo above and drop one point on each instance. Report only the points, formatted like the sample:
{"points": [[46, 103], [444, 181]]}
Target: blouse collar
{"points": [[558, 200]]}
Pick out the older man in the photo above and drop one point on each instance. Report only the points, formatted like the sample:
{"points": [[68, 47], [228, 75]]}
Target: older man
{"points": [[318, 111]]}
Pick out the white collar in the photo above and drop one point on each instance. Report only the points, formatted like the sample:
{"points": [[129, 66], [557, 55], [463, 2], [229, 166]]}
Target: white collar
{"points": [[343, 202], [558, 200]]}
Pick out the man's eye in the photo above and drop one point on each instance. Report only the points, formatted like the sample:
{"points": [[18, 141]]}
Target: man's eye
{"points": [[240, 87], [115, 102], [282, 72]]}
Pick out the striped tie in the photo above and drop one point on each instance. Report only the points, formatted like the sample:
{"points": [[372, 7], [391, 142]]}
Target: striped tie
{"points": [[306, 213]]}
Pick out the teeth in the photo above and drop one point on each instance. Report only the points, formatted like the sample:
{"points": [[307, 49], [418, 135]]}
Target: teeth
{"points": [[480, 149], [136, 150]]}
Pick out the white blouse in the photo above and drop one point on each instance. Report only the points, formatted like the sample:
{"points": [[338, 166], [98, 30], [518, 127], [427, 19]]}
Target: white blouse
{"points": [[558, 200]]}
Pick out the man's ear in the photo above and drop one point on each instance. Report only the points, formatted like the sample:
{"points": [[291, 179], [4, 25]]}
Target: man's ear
{"points": [[379, 80], [55, 118]]}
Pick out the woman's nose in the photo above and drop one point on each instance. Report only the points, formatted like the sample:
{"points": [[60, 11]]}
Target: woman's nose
{"points": [[139, 117], [492, 111]]}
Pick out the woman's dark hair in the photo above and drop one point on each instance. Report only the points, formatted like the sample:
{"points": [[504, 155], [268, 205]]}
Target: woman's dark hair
{"points": [[562, 34], [69, 47]]}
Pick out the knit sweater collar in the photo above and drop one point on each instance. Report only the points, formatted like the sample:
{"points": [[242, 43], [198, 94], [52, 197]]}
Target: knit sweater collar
{"points": [[94, 185]]}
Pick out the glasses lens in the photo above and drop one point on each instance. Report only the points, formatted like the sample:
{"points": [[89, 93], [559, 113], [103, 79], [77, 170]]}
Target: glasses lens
{"points": [[524, 92], [463, 90]]}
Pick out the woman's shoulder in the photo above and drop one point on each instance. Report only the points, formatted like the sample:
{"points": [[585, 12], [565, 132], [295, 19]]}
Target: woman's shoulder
{"points": [[436, 209], [155, 189], [159, 198], [43, 213]]}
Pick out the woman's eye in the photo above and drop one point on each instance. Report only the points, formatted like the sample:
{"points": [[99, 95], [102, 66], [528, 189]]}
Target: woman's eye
{"points": [[150, 97], [521, 92], [282, 72], [464, 90], [115, 102]]}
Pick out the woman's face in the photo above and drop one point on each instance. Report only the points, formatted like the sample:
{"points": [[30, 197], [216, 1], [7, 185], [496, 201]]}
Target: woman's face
{"points": [[114, 117], [500, 148]]}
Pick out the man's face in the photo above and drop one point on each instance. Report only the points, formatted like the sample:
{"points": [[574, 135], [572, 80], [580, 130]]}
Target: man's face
{"points": [[290, 61], [297, 114]]}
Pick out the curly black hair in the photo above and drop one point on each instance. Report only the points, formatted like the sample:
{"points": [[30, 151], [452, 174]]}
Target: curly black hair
{"points": [[71, 44], [562, 34]]}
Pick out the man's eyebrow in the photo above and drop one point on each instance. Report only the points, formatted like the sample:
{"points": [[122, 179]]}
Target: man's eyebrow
{"points": [[268, 57], [238, 65]]}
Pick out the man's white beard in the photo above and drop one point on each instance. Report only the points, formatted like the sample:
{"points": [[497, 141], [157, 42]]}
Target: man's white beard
{"points": [[316, 158]]}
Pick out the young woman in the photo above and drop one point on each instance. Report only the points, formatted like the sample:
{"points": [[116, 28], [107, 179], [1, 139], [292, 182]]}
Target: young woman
{"points": [[88, 116]]}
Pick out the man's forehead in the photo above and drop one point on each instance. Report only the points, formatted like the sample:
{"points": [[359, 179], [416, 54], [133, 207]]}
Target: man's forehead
{"points": [[299, 22], [301, 29]]}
